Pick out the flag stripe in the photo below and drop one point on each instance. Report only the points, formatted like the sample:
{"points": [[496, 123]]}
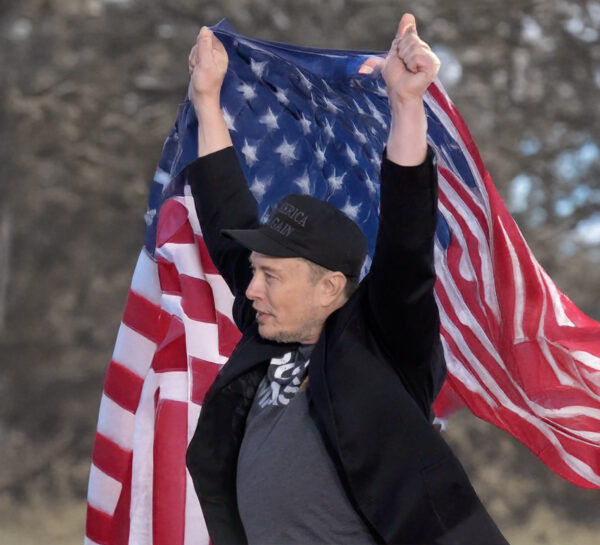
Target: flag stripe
{"points": [[169, 473], [110, 458], [123, 386]]}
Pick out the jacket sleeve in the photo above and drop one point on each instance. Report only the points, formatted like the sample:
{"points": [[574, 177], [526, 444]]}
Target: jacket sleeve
{"points": [[223, 201], [401, 301]]}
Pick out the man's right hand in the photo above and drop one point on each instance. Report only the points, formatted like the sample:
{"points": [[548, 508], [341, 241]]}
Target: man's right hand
{"points": [[208, 62]]}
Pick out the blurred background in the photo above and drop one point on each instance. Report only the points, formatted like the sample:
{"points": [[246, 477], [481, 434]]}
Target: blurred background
{"points": [[89, 91]]}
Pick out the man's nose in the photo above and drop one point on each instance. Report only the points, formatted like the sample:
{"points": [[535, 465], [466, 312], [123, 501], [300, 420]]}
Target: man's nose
{"points": [[253, 291]]}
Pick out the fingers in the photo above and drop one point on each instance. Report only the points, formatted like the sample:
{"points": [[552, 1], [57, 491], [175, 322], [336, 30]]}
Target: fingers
{"points": [[371, 65]]}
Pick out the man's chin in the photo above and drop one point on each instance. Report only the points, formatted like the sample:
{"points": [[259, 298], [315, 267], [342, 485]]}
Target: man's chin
{"points": [[275, 336]]}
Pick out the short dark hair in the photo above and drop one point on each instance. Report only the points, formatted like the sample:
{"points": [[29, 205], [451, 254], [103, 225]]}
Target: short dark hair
{"points": [[317, 271]]}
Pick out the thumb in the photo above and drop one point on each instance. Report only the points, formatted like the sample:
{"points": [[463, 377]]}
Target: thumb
{"points": [[408, 23], [205, 46]]}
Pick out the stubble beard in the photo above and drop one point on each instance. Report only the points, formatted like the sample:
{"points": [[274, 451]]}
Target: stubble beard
{"points": [[306, 331]]}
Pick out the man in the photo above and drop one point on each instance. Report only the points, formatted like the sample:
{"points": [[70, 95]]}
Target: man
{"points": [[317, 428]]}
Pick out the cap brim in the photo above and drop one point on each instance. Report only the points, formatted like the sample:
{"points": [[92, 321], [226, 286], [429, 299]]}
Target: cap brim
{"points": [[257, 241]]}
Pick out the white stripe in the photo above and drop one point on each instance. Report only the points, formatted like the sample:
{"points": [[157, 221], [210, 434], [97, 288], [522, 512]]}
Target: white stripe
{"points": [[587, 359], [195, 527], [173, 385], [487, 269], [133, 350], [185, 256], [188, 202], [193, 414], [519, 287], [116, 423], [103, 491], [172, 305], [559, 310], [202, 340], [221, 294], [88, 541], [145, 280], [142, 477]]}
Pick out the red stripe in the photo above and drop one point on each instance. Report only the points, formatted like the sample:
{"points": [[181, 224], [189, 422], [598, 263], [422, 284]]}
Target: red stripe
{"points": [[171, 354], [170, 443], [465, 194], [173, 225], [168, 276], [110, 458], [197, 302], [203, 375], [207, 265], [123, 386], [121, 518], [98, 526], [229, 335], [144, 317]]}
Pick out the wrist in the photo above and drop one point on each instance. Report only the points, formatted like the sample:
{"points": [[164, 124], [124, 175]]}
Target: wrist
{"points": [[206, 105], [412, 107]]}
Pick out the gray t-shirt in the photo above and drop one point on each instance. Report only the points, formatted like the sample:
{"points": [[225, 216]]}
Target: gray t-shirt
{"points": [[288, 490]]}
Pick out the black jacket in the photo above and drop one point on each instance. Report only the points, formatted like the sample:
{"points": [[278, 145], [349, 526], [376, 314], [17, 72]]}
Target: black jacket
{"points": [[373, 375]]}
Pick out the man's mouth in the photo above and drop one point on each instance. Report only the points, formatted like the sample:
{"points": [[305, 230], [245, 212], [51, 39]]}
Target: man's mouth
{"points": [[261, 316]]}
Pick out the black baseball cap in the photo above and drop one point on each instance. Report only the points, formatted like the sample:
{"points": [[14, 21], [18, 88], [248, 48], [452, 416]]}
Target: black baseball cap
{"points": [[304, 226]]}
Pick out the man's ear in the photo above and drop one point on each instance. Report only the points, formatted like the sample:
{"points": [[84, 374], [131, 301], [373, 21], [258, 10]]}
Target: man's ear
{"points": [[332, 286]]}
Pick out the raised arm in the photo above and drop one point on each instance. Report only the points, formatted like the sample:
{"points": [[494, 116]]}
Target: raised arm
{"points": [[402, 274], [221, 195]]}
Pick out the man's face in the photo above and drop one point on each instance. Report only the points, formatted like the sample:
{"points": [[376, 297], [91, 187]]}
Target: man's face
{"points": [[286, 299]]}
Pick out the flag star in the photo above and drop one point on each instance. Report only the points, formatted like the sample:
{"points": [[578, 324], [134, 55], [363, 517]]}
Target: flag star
{"points": [[360, 136], [247, 90], [376, 113], [351, 155], [259, 187], [149, 216], [370, 184], [329, 129], [303, 183], [330, 105], [282, 96], [320, 155], [249, 153], [381, 90], [358, 107], [258, 68], [269, 119], [305, 81], [335, 182], [376, 160], [327, 87], [287, 152], [306, 124], [228, 120], [351, 210]]}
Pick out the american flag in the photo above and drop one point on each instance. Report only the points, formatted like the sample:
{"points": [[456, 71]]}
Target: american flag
{"points": [[520, 355]]}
